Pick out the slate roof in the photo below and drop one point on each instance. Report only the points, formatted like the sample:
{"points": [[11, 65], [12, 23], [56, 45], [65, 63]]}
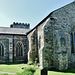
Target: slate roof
{"points": [[16, 31]]}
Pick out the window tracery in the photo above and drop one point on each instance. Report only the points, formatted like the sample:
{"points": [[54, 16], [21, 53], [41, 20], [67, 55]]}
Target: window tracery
{"points": [[19, 49]]}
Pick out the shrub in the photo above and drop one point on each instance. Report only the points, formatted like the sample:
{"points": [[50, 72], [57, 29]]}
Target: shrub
{"points": [[36, 61], [25, 73], [31, 62], [28, 71]]}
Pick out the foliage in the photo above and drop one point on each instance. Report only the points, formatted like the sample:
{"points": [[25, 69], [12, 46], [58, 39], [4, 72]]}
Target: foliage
{"points": [[30, 62], [36, 61], [28, 71], [31, 70]]}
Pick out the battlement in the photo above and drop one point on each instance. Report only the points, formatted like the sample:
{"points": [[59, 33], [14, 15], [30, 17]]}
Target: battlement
{"points": [[20, 25]]}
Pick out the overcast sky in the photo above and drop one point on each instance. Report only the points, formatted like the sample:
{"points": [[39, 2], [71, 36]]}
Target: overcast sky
{"points": [[27, 11]]}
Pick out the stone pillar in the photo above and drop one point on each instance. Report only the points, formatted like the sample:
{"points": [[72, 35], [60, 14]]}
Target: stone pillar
{"points": [[10, 50], [32, 48]]}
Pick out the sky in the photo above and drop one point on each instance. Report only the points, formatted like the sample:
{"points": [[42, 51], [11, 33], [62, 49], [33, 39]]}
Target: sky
{"points": [[27, 11]]}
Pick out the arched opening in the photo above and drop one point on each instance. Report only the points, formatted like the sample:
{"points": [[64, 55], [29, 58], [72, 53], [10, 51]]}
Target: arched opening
{"points": [[72, 42], [19, 49], [1, 50], [19, 55], [72, 35]]}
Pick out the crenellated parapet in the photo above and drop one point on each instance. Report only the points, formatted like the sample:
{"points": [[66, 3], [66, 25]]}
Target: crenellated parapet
{"points": [[20, 25]]}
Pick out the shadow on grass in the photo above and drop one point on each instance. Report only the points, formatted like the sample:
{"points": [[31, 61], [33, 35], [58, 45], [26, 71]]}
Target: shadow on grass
{"points": [[72, 70]]}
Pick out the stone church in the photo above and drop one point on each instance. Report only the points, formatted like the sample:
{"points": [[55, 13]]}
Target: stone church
{"points": [[13, 43], [52, 41]]}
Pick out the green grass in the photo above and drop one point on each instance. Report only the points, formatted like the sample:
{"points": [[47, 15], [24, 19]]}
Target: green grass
{"points": [[11, 68], [16, 68], [59, 73], [37, 72], [30, 69], [67, 72]]}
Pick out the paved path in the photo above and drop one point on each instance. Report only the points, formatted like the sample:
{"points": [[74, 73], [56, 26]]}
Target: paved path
{"points": [[8, 73]]}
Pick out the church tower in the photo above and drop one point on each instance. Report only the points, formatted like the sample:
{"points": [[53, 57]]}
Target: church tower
{"points": [[20, 25]]}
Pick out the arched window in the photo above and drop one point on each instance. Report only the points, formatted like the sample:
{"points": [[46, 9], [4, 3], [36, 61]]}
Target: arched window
{"points": [[72, 47], [73, 42], [73, 39], [1, 50], [19, 49]]}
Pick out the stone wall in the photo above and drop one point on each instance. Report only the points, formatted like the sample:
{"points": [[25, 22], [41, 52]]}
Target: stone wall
{"points": [[41, 44], [61, 60], [4, 39], [23, 40], [60, 23], [48, 45], [65, 19], [36, 44], [33, 53], [9, 43], [53, 37]]}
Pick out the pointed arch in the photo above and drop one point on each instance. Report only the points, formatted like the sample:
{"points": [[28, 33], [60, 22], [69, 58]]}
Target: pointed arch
{"points": [[19, 48], [72, 36], [1, 50]]}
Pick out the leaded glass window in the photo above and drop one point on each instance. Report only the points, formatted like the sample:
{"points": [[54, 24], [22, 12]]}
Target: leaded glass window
{"points": [[19, 49]]}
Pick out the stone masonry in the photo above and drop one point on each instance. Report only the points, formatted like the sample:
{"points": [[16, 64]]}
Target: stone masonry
{"points": [[51, 43], [14, 43], [55, 44]]}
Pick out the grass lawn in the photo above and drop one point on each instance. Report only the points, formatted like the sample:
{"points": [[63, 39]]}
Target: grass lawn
{"points": [[59, 73], [67, 72], [16, 68]]}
